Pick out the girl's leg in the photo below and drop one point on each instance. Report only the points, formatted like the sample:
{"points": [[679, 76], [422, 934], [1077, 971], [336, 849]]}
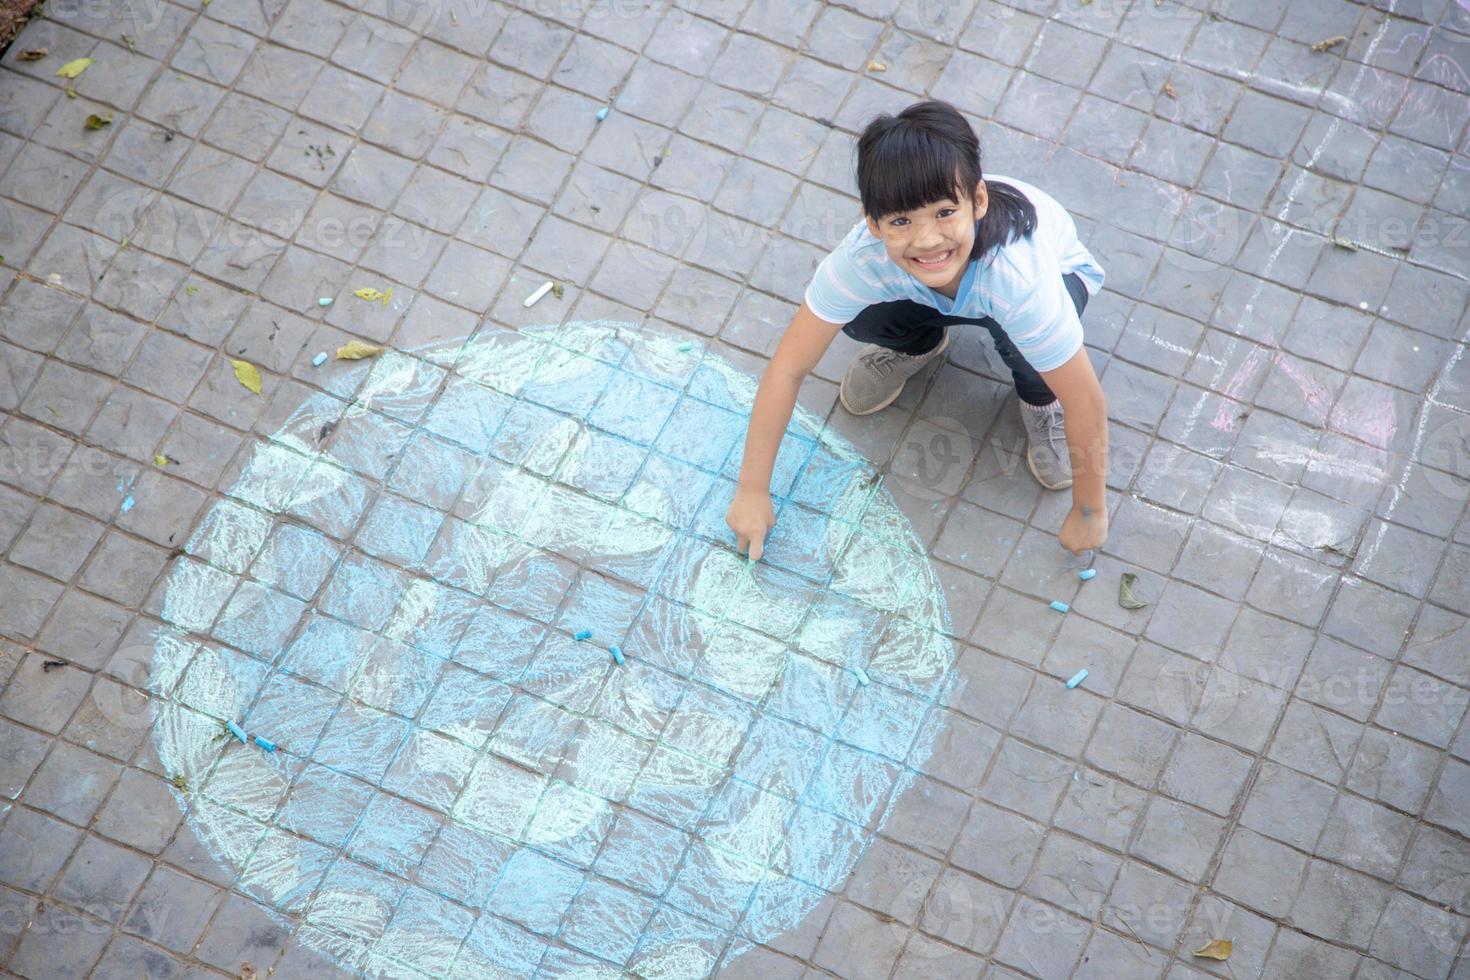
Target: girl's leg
{"points": [[901, 337], [904, 326]]}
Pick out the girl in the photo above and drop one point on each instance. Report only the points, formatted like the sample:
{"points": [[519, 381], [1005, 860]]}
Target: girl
{"points": [[940, 246]]}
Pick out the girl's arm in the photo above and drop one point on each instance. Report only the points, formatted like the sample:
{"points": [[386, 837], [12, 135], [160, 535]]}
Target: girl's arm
{"points": [[1077, 388], [802, 346]]}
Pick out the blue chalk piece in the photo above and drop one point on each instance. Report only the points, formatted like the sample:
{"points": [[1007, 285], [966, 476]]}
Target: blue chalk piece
{"points": [[686, 346], [1077, 678], [862, 676], [602, 114], [320, 359], [1060, 606], [583, 635], [236, 731], [265, 743], [617, 655], [324, 301], [128, 503], [1087, 574]]}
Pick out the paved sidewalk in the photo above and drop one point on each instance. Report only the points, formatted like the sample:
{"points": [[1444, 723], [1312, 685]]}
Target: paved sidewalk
{"points": [[858, 758]]}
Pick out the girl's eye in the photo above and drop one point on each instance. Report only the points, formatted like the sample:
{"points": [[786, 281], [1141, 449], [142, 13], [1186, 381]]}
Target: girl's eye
{"points": [[899, 222], [946, 212]]}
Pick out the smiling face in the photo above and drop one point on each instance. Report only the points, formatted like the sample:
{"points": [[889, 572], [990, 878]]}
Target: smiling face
{"points": [[933, 243]]}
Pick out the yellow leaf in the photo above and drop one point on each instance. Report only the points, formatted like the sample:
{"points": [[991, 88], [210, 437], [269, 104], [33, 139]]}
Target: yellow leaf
{"points": [[1127, 598], [74, 68], [160, 460], [371, 295], [356, 350], [95, 121], [71, 93], [247, 374], [1215, 949]]}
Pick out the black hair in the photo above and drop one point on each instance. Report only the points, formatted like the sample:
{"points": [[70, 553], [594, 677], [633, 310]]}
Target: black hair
{"points": [[927, 153]]}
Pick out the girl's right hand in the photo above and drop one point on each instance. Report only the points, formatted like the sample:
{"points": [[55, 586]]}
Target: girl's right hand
{"points": [[750, 516]]}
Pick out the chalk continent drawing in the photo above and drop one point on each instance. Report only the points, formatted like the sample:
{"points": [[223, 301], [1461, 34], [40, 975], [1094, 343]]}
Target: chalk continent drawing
{"points": [[461, 788]]}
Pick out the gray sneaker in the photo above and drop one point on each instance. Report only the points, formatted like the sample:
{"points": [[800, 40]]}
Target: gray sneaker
{"points": [[876, 377], [1046, 446]]}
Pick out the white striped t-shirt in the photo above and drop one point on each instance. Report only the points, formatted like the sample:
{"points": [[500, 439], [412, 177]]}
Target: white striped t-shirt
{"points": [[1019, 284]]}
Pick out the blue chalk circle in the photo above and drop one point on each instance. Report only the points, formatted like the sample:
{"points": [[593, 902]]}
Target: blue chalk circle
{"points": [[128, 503], [1077, 678], [265, 743], [1060, 606], [471, 793], [1087, 574], [237, 731], [319, 359]]}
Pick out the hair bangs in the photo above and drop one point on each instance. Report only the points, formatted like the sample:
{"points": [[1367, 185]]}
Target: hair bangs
{"points": [[908, 169]]}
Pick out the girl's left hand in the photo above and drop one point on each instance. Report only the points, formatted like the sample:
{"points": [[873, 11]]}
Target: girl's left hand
{"points": [[1085, 528]]}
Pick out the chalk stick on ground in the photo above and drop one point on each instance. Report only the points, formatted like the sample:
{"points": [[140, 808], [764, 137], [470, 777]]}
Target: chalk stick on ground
{"points": [[617, 655], [686, 346], [862, 676], [320, 359], [602, 114], [1087, 574], [237, 731], [582, 635], [540, 292], [265, 743], [1077, 678], [1060, 606], [324, 301]]}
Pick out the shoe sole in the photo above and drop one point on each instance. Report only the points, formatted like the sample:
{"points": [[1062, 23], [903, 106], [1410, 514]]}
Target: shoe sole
{"points": [[943, 345], [1049, 486]]}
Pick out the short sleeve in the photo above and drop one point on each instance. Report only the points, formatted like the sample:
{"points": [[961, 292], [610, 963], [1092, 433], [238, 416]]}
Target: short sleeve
{"points": [[838, 292], [1043, 324]]}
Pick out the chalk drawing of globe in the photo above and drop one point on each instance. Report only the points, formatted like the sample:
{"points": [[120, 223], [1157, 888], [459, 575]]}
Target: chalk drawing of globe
{"points": [[462, 789]]}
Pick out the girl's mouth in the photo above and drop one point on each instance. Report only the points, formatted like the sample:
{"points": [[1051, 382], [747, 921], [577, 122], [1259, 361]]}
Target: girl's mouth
{"points": [[934, 262]]}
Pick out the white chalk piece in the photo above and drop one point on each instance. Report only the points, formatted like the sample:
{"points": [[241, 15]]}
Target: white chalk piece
{"points": [[320, 359], [1087, 574], [862, 676], [324, 301], [602, 114], [1059, 606], [1077, 678], [534, 297], [617, 655], [265, 743], [237, 731]]}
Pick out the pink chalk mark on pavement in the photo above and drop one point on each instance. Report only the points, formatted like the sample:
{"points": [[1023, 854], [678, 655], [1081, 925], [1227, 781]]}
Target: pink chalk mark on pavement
{"points": [[1374, 425]]}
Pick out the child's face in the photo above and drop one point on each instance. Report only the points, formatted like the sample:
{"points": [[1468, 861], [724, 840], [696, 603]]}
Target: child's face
{"points": [[933, 243]]}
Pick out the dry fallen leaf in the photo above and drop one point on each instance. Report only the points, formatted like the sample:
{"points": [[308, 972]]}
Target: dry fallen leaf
{"points": [[558, 290], [1126, 597], [34, 54], [247, 972], [95, 121], [877, 66], [356, 350], [1169, 90], [74, 67], [1215, 949], [1327, 44], [247, 374], [372, 295]]}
